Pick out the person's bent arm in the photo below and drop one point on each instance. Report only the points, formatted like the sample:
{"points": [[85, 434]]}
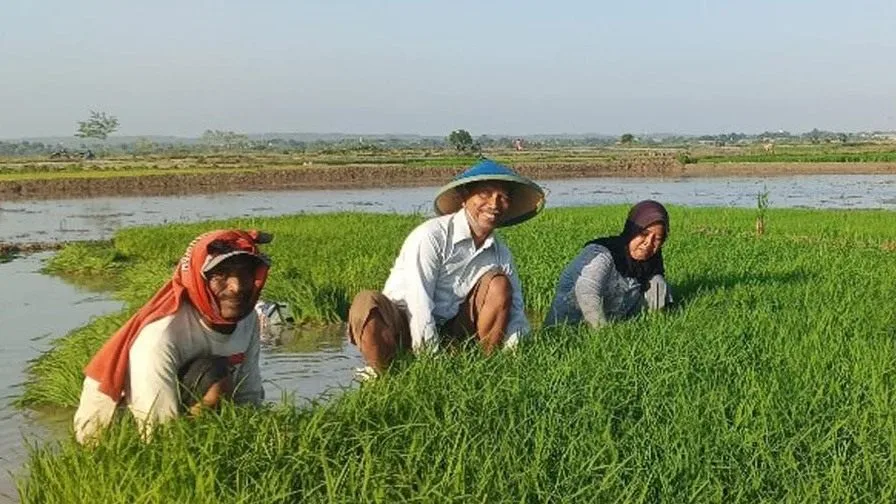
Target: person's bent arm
{"points": [[152, 379], [421, 286], [589, 287], [517, 324], [658, 294], [95, 411], [248, 384]]}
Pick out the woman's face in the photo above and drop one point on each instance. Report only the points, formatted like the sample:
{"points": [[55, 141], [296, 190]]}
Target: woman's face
{"points": [[644, 245]]}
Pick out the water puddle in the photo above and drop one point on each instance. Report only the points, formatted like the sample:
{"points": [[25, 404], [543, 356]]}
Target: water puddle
{"points": [[307, 363]]}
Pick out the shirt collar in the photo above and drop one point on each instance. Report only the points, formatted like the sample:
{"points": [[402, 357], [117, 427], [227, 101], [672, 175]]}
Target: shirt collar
{"points": [[462, 230]]}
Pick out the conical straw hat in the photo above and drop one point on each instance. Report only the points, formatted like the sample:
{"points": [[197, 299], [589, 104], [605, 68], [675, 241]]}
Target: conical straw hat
{"points": [[526, 200]]}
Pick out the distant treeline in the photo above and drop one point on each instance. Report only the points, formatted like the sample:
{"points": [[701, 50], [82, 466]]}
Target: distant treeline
{"points": [[226, 141]]}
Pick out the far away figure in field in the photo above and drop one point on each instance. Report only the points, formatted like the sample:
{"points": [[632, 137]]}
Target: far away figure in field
{"points": [[616, 277], [193, 344], [454, 279]]}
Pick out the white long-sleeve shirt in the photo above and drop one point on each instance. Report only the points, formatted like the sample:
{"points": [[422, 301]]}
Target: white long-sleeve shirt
{"points": [[158, 352], [435, 270]]}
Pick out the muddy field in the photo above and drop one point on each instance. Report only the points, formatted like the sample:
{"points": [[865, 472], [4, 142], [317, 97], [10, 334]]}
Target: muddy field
{"points": [[385, 175]]}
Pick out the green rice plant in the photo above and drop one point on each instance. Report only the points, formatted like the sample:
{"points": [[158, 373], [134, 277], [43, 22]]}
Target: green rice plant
{"points": [[86, 260], [761, 210], [770, 380], [57, 371]]}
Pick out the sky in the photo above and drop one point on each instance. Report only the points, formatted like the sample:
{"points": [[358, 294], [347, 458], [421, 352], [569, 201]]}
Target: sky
{"points": [[424, 67]]}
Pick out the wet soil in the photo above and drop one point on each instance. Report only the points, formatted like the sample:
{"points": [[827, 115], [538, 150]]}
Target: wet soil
{"points": [[384, 175], [8, 250]]}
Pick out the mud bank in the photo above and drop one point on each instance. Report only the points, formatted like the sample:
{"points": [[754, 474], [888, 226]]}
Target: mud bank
{"points": [[7, 250]]}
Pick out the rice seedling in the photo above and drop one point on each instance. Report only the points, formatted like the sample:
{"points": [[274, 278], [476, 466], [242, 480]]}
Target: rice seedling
{"points": [[771, 380], [86, 260], [761, 210]]}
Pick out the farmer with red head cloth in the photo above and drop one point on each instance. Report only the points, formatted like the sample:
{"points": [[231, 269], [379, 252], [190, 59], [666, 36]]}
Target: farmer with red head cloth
{"points": [[454, 278], [195, 342]]}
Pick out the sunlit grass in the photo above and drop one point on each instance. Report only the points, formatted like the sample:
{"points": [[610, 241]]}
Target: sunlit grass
{"points": [[772, 380]]}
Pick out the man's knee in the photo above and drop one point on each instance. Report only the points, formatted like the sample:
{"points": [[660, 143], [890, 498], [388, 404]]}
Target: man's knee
{"points": [[499, 292], [362, 303], [377, 321], [363, 306]]}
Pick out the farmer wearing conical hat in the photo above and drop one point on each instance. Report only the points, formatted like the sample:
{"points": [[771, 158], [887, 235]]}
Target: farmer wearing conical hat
{"points": [[195, 342], [453, 278]]}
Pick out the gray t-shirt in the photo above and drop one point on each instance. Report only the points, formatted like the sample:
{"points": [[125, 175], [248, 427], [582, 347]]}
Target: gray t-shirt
{"points": [[590, 289]]}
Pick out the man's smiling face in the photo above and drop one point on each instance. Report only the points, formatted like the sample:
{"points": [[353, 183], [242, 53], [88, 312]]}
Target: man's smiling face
{"points": [[486, 203]]}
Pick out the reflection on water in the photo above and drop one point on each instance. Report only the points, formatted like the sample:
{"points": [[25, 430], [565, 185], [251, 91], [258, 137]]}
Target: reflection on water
{"points": [[98, 218], [309, 363]]}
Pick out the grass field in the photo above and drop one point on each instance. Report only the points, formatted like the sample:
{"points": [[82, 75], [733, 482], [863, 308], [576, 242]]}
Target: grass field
{"points": [[152, 175], [802, 157], [16, 169], [772, 380]]}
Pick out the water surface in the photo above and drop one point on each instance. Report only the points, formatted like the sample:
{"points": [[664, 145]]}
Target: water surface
{"points": [[36, 309], [98, 218]]}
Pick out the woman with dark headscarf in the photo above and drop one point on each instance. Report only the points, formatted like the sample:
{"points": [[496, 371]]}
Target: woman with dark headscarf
{"points": [[618, 276]]}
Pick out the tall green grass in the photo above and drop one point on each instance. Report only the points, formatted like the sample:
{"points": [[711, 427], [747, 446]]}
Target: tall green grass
{"points": [[772, 380], [802, 157]]}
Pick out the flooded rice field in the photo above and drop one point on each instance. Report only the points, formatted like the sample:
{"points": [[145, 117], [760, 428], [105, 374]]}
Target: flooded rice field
{"points": [[96, 219], [312, 363], [39, 309]]}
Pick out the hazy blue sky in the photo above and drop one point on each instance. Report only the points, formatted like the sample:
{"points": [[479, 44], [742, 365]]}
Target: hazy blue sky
{"points": [[514, 67]]}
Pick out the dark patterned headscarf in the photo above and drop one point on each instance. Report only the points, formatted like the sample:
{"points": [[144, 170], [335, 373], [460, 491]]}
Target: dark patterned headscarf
{"points": [[640, 217]]}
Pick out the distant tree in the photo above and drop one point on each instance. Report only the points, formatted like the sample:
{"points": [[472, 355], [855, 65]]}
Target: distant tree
{"points": [[142, 146], [814, 136], [461, 140], [485, 141], [224, 139], [627, 139], [98, 126], [777, 135], [842, 137]]}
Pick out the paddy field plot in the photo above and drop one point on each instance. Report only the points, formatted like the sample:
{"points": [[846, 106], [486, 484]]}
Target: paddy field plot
{"points": [[771, 380]]}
